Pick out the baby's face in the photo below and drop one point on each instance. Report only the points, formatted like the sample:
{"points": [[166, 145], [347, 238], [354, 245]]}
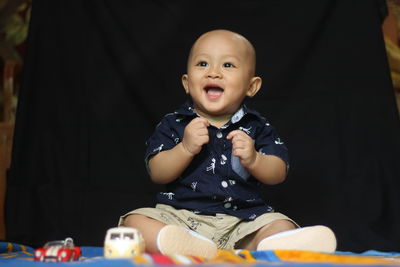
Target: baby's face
{"points": [[220, 73]]}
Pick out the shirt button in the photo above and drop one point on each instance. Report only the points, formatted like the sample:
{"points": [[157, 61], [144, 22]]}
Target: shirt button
{"points": [[227, 205], [219, 135], [224, 184]]}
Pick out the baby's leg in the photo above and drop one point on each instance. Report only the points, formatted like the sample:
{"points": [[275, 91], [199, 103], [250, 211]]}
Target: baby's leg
{"points": [[148, 227], [284, 234], [251, 241], [170, 239], [313, 238]]}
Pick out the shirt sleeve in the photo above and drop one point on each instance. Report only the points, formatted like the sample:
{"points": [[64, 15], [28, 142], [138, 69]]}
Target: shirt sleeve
{"points": [[163, 138], [268, 142]]}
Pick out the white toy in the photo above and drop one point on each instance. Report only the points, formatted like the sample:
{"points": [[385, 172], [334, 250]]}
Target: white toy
{"points": [[123, 242]]}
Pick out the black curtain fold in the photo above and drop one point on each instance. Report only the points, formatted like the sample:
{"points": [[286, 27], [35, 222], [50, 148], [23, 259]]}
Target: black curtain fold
{"points": [[99, 75]]}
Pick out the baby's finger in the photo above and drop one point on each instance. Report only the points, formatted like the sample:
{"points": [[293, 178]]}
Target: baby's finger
{"points": [[237, 143], [204, 121], [202, 131], [204, 139], [199, 122], [238, 152], [233, 134]]}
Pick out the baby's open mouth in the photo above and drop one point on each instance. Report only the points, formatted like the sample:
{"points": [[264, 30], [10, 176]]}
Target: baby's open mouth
{"points": [[213, 91]]}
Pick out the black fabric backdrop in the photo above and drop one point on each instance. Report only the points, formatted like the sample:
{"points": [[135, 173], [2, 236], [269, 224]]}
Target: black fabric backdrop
{"points": [[99, 75]]}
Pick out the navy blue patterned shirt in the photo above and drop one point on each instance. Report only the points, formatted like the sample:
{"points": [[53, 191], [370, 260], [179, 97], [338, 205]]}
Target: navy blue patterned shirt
{"points": [[215, 181]]}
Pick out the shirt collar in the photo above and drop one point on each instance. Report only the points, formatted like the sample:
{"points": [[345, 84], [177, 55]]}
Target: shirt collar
{"points": [[187, 109], [243, 111]]}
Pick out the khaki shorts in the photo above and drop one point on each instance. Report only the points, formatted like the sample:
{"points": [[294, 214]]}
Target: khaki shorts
{"points": [[225, 230]]}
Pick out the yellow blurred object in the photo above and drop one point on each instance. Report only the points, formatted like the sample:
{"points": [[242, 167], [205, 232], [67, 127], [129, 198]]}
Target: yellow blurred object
{"points": [[391, 32], [393, 54], [123, 242]]}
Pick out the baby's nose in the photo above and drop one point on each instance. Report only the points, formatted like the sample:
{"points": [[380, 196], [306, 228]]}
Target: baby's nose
{"points": [[214, 73]]}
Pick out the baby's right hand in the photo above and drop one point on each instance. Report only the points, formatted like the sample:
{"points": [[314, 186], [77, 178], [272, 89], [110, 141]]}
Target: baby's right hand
{"points": [[195, 135]]}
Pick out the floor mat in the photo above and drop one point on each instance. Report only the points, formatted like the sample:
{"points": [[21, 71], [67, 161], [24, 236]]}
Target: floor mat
{"points": [[20, 255]]}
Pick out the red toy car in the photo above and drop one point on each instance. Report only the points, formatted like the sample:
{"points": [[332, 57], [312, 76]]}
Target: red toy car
{"points": [[58, 251]]}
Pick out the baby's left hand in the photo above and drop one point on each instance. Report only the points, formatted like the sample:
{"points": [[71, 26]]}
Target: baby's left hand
{"points": [[243, 147]]}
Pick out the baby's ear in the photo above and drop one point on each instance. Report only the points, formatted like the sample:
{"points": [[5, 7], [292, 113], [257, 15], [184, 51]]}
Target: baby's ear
{"points": [[255, 85], [185, 83]]}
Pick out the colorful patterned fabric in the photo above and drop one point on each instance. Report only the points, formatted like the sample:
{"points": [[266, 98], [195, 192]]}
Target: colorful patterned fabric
{"points": [[19, 255]]}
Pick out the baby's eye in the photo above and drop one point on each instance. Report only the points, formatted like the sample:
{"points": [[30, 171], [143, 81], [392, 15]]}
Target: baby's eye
{"points": [[228, 65], [202, 64]]}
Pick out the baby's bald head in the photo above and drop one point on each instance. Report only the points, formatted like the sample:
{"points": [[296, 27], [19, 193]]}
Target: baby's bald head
{"points": [[243, 45]]}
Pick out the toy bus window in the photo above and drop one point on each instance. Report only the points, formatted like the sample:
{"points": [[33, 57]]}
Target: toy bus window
{"points": [[115, 236], [129, 236]]}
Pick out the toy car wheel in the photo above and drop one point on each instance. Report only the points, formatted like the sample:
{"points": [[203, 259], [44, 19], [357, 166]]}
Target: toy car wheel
{"points": [[39, 254], [64, 255]]}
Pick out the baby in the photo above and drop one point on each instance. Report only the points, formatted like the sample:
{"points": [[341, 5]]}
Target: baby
{"points": [[213, 154]]}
